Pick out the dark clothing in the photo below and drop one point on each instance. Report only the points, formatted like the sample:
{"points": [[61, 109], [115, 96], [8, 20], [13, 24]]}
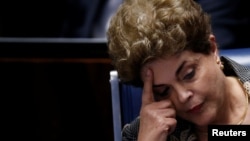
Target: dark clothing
{"points": [[184, 129]]}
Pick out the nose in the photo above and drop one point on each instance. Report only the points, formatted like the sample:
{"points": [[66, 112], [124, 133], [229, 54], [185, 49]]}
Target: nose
{"points": [[183, 93]]}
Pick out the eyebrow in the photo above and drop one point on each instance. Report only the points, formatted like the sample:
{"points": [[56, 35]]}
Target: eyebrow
{"points": [[160, 85], [180, 68], [177, 72]]}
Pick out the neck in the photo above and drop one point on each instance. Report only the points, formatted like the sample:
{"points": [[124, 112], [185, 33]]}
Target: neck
{"points": [[236, 103], [247, 103]]}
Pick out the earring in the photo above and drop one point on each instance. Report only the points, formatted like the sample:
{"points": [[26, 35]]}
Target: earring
{"points": [[221, 64]]}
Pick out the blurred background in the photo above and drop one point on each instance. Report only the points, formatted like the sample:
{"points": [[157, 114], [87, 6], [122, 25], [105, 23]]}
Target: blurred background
{"points": [[56, 18], [54, 65], [89, 19], [54, 70]]}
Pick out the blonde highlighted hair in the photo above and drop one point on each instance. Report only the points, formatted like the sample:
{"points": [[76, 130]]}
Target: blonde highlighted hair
{"points": [[144, 30]]}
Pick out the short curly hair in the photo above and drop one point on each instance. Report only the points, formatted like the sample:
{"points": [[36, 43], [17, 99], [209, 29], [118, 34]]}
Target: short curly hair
{"points": [[144, 30]]}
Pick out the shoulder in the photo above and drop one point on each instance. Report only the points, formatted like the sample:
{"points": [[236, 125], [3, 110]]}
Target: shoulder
{"points": [[130, 130], [233, 68], [239, 70]]}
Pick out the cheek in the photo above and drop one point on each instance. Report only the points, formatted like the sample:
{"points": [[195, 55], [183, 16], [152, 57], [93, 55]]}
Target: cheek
{"points": [[209, 82]]}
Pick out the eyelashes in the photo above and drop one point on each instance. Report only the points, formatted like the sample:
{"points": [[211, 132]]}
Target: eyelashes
{"points": [[189, 75], [165, 90]]}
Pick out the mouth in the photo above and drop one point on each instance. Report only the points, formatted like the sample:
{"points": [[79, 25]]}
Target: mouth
{"points": [[195, 109]]}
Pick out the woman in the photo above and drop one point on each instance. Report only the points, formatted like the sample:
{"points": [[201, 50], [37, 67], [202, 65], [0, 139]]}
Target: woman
{"points": [[167, 47]]}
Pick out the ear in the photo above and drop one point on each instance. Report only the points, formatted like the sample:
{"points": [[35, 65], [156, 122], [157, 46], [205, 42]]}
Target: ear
{"points": [[214, 47]]}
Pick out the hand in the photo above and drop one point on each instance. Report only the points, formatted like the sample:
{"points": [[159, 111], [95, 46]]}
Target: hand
{"points": [[157, 118]]}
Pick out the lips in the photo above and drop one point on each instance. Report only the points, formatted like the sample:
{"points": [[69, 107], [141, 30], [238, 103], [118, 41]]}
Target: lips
{"points": [[195, 109]]}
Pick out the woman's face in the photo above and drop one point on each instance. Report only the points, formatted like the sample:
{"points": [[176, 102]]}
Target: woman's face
{"points": [[192, 81]]}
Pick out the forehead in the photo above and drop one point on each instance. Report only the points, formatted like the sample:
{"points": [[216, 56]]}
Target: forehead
{"points": [[173, 60], [168, 65]]}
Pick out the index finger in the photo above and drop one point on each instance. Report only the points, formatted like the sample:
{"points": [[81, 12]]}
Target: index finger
{"points": [[147, 93]]}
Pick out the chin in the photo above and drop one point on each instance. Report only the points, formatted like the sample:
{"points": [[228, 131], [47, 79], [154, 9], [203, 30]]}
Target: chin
{"points": [[202, 121]]}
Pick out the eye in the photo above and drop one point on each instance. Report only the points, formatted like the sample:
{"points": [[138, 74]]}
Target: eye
{"points": [[161, 94], [189, 75]]}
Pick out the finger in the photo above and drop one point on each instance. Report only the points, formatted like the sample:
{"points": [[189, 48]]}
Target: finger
{"points": [[147, 94], [165, 103], [171, 125], [167, 112]]}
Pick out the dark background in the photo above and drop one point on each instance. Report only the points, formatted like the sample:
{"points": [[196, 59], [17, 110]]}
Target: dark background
{"points": [[55, 18], [60, 91], [53, 91], [56, 91]]}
